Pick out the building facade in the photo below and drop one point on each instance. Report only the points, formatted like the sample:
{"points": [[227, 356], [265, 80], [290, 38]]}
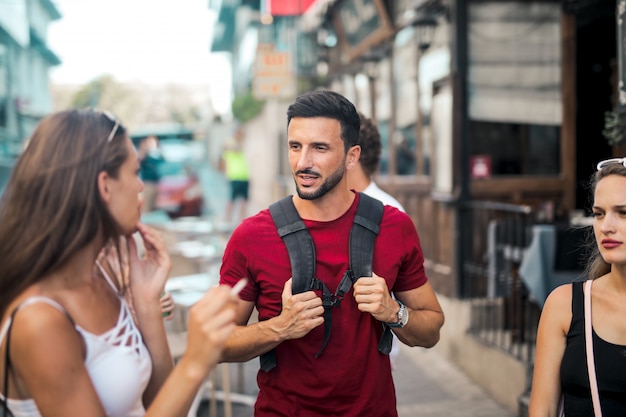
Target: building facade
{"points": [[25, 61]]}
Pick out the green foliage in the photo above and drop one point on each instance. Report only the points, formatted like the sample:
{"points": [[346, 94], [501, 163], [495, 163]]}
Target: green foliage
{"points": [[91, 94], [614, 127], [245, 107]]}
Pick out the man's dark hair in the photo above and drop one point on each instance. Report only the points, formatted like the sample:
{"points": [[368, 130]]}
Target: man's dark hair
{"points": [[369, 139], [325, 103]]}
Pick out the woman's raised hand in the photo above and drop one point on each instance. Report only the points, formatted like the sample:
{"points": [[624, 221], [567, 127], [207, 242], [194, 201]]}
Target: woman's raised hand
{"points": [[148, 273]]}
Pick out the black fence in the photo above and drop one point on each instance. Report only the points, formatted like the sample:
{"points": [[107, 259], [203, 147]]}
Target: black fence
{"points": [[503, 315]]}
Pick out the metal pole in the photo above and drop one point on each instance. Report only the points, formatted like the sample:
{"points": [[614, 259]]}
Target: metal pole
{"points": [[460, 63]]}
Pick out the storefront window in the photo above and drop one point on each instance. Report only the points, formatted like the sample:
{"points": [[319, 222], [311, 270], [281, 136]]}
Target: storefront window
{"points": [[516, 149]]}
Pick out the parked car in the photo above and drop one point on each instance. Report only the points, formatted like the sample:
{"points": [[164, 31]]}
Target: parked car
{"points": [[179, 192]]}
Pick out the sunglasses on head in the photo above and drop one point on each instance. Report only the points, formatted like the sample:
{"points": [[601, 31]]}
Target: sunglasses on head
{"points": [[112, 118], [116, 126], [612, 161]]}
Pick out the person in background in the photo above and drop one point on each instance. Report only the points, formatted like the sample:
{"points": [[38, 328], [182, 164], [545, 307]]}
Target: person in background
{"points": [[150, 159], [234, 166], [350, 377], [361, 178], [560, 363], [69, 343]]}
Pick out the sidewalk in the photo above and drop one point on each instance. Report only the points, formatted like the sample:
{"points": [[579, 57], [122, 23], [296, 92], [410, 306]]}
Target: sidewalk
{"points": [[427, 385], [430, 386]]}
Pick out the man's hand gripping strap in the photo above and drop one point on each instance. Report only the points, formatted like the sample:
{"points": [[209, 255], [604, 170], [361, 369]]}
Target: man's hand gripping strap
{"points": [[301, 250]]}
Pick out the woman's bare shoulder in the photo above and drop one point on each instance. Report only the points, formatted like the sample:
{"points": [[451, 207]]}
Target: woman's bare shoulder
{"points": [[558, 307]]}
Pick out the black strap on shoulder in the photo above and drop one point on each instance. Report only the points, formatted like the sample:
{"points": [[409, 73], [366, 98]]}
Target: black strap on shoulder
{"points": [[363, 235], [301, 250], [299, 243], [362, 239]]}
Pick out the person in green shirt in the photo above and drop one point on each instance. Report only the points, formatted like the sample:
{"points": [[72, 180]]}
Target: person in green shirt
{"points": [[234, 166]]}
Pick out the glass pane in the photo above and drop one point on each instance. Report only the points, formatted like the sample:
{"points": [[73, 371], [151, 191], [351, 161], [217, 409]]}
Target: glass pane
{"points": [[383, 129], [405, 150], [516, 149]]}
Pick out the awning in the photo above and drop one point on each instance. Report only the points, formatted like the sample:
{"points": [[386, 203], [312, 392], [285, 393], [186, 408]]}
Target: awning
{"points": [[288, 7]]}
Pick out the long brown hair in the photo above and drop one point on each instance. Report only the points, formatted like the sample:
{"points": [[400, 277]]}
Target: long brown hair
{"points": [[596, 265], [51, 206]]}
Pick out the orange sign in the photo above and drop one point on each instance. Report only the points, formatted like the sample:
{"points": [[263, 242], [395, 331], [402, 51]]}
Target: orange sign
{"points": [[273, 74]]}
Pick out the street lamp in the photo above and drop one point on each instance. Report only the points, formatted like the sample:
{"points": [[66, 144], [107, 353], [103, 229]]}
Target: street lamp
{"points": [[425, 28]]}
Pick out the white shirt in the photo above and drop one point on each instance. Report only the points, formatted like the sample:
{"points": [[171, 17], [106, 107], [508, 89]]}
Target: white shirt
{"points": [[374, 191], [118, 363]]}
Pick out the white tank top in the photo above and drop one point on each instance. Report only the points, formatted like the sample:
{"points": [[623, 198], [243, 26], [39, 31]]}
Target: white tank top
{"points": [[118, 363]]}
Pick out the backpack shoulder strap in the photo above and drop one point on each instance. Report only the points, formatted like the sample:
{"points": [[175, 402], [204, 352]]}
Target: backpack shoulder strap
{"points": [[299, 243], [301, 249], [363, 235], [362, 239]]}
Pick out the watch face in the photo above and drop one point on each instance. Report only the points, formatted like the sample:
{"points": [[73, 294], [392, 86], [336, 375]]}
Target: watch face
{"points": [[404, 315]]}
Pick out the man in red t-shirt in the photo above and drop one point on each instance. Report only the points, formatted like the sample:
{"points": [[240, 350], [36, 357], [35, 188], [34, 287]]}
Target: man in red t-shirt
{"points": [[350, 377]]}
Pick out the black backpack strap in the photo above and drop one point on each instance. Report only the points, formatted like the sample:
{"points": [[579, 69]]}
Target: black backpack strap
{"points": [[301, 250], [299, 243], [328, 302], [363, 235], [362, 239]]}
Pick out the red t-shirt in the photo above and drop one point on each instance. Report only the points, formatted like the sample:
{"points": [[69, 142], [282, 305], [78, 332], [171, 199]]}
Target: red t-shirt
{"points": [[350, 378]]}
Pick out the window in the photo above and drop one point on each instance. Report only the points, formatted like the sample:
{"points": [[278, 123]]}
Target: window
{"points": [[517, 149], [404, 147]]}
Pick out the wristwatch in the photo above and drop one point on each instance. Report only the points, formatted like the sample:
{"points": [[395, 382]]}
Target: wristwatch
{"points": [[403, 316]]}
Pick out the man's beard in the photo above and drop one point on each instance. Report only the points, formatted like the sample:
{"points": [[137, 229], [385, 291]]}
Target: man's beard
{"points": [[330, 183]]}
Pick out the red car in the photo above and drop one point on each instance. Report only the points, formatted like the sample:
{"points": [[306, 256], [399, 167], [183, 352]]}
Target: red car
{"points": [[179, 192]]}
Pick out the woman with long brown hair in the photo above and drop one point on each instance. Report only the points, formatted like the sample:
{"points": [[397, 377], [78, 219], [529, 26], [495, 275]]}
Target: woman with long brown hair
{"points": [[68, 341]]}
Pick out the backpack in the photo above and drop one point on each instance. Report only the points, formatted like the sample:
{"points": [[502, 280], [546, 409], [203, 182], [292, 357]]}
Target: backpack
{"points": [[301, 250]]}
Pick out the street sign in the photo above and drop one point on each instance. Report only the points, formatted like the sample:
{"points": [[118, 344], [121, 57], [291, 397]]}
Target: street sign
{"points": [[273, 74]]}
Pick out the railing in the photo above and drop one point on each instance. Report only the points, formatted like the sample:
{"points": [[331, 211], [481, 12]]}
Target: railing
{"points": [[502, 315]]}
